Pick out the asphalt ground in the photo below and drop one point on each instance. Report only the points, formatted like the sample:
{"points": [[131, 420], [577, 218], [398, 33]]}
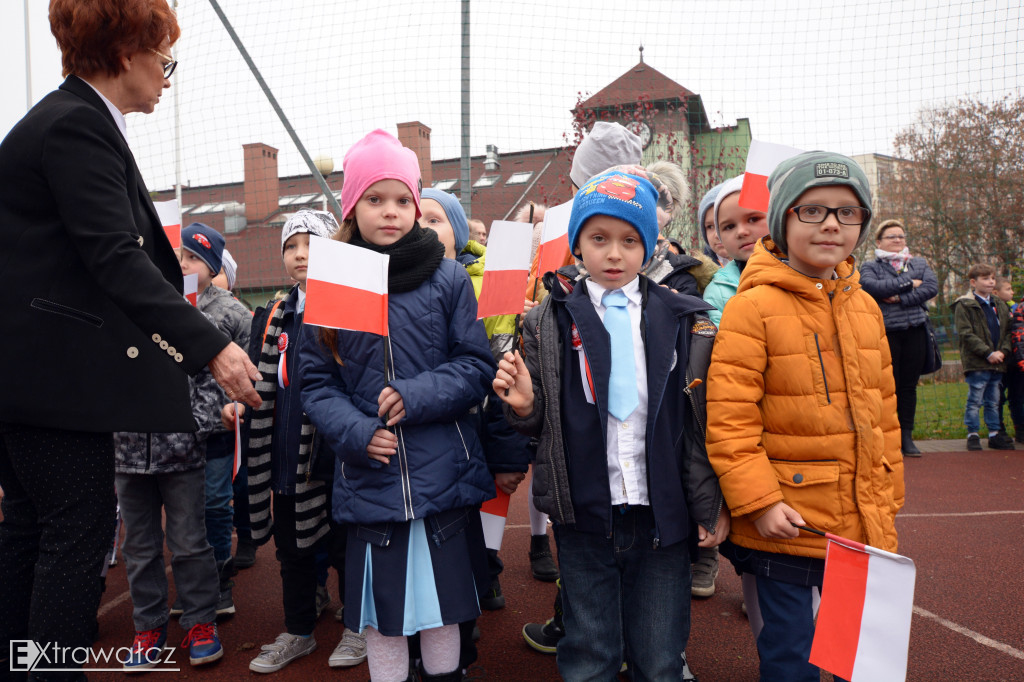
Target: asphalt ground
{"points": [[963, 525]]}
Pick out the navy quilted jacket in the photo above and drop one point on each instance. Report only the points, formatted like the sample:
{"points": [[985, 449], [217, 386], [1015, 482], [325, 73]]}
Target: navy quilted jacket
{"points": [[444, 368], [880, 279]]}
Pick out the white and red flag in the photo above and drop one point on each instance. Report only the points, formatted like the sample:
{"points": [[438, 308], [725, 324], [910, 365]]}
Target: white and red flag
{"points": [[762, 159], [554, 239], [506, 269], [493, 513], [346, 287], [867, 599], [191, 288], [170, 218]]}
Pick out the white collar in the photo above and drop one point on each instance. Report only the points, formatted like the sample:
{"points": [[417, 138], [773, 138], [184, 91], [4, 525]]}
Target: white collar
{"points": [[597, 292], [114, 111]]}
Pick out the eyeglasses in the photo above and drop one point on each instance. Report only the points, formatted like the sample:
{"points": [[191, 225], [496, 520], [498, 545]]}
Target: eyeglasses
{"points": [[846, 215], [895, 237], [169, 64]]}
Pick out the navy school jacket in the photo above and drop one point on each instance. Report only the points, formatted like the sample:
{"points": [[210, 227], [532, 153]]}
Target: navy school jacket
{"points": [[443, 365]]}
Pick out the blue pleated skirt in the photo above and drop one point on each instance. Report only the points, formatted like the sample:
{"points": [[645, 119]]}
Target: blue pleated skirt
{"points": [[401, 578]]}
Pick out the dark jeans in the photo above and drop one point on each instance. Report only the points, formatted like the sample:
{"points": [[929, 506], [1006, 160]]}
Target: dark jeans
{"points": [[240, 492], [1012, 393], [620, 593], [59, 514], [220, 450], [299, 566], [908, 348]]}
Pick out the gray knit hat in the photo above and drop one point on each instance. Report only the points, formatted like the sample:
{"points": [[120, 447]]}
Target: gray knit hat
{"points": [[607, 145], [796, 175]]}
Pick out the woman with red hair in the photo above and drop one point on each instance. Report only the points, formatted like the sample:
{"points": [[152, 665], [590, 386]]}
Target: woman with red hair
{"points": [[101, 339]]}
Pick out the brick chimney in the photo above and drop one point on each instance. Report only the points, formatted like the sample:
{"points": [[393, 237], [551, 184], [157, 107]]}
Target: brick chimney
{"points": [[416, 137], [261, 188]]}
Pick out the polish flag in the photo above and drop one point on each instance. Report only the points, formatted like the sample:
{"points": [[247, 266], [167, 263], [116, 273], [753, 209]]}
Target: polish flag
{"points": [[170, 218], [762, 159], [191, 288], [494, 511], [863, 629], [346, 287], [554, 240], [238, 446], [506, 269]]}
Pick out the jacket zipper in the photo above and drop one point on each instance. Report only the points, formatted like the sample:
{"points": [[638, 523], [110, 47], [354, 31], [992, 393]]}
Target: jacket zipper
{"points": [[403, 465], [466, 449], [821, 362], [149, 451]]}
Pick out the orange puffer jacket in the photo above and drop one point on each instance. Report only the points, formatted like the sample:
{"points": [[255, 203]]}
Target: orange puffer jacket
{"points": [[802, 407]]}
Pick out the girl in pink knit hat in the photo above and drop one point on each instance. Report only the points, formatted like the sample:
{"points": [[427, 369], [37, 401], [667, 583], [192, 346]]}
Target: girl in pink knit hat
{"points": [[397, 414]]}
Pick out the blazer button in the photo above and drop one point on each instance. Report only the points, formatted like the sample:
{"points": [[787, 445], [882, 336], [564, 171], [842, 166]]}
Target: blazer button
{"points": [[156, 338], [798, 478], [179, 357], [141, 240], [171, 351], [164, 345], [133, 352]]}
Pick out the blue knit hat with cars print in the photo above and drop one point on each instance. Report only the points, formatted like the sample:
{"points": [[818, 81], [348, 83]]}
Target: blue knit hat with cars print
{"points": [[619, 195]]}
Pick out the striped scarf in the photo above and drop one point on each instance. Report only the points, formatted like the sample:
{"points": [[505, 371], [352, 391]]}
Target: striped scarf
{"points": [[310, 495]]}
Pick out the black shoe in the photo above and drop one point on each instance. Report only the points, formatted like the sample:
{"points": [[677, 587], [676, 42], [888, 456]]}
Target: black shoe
{"points": [[493, 599], [1018, 434], [245, 553], [1001, 441], [974, 442], [543, 637], [541, 562], [907, 446], [226, 570]]}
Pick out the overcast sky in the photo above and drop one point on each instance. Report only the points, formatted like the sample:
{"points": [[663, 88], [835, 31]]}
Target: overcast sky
{"points": [[838, 75]]}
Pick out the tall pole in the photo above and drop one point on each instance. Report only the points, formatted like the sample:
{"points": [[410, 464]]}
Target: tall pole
{"points": [[465, 192], [328, 194], [28, 63], [177, 130]]}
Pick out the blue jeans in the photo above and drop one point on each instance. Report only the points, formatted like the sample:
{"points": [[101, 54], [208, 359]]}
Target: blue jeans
{"points": [[620, 595], [982, 389], [219, 493], [180, 496]]}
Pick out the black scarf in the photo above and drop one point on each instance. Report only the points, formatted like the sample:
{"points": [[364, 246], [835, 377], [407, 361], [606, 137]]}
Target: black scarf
{"points": [[414, 258]]}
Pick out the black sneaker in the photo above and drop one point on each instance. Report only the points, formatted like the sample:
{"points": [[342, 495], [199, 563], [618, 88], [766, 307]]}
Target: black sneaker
{"points": [[907, 446], [1001, 441], [1018, 434], [542, 564], [974, 442], [543, 637], [493, 599]]}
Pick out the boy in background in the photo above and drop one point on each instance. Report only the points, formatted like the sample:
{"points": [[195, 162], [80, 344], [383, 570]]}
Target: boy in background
{"points": [[202, 253], [982, 323]]}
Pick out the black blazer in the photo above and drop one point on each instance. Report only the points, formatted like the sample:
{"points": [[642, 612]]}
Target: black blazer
{"points": [[97, 335]]}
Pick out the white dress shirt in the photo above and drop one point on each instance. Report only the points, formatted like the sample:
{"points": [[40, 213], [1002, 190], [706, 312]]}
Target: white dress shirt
{"points": [[114, 111], [627, 461]]}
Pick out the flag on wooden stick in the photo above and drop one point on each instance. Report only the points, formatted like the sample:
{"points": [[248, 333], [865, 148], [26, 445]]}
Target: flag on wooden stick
{"points": [[346, 287]]}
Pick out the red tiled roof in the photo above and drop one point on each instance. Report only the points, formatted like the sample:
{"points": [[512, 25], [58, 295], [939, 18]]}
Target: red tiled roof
{"points": [[642, 80]]}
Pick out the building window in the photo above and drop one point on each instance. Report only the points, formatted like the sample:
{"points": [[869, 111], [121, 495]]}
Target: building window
{"points": [[296, 199], [486, 180], [208, 208], [445, 185], [519, 178], [186, 209]]}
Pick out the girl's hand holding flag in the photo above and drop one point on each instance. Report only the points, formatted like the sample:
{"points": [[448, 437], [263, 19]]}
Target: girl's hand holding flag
{"points": [[391, 406]]}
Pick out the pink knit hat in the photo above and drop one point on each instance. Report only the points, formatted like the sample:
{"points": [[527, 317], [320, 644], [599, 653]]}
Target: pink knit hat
{"points": [[378, 156]]}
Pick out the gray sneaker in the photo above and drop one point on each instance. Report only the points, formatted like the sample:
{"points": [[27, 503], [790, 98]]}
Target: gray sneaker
{"points": [[705, 570], [285, 649], [351, 650]]}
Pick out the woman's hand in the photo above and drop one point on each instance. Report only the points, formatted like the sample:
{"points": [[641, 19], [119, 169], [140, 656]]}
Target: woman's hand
{"points": [[778, 522], [383, 446], [390, 403], [513, 385]]}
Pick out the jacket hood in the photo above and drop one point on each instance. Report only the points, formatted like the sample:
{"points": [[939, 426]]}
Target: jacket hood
{"points": [[767, 265], [966, 299], [473, 258]]}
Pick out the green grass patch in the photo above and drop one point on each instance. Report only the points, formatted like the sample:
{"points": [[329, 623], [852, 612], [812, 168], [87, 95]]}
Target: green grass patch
{"points": [[940, 411]]}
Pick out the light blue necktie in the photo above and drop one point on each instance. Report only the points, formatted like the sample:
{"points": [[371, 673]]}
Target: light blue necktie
{"points": [[622, 396]]}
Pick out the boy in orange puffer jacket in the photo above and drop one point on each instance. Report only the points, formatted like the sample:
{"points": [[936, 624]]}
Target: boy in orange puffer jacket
{"points": [[802, 427]]}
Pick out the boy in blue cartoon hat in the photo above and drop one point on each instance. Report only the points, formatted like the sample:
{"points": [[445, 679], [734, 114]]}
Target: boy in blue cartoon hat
{"points": [[621, 467]]}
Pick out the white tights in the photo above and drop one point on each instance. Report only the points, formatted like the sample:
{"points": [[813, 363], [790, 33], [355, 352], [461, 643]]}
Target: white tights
{"points": [[388, 657]]}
